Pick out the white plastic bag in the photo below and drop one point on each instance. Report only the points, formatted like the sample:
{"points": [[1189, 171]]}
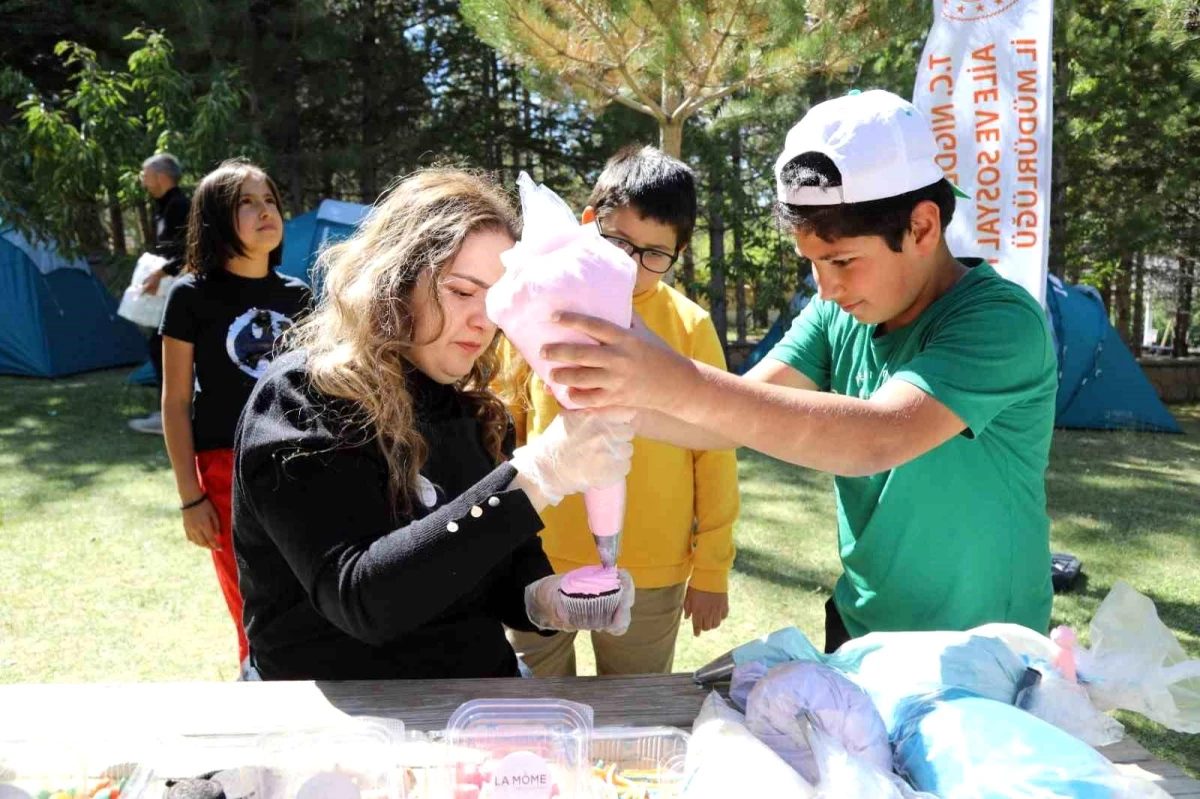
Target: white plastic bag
{"points": [[137, 306], [1136, 664], [1066, 705], [724, 760]]}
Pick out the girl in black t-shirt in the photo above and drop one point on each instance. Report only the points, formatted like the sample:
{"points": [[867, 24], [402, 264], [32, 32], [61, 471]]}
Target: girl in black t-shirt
{"points": [[219, 332]]}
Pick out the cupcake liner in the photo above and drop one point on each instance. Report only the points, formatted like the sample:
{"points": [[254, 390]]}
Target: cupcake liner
{"points": [[592, 612]]}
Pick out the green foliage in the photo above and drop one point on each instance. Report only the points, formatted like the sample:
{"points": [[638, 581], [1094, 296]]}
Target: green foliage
{"points": [[81, 149]]}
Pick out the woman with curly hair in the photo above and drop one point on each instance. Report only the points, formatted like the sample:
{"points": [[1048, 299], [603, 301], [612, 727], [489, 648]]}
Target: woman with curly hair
{"points": [[384, 527]]}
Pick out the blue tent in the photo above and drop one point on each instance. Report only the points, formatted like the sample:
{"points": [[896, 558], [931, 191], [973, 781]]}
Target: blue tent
{"points": [[303, 238], [1100, 385], [306, 235], [781, 325], [56, 317]]}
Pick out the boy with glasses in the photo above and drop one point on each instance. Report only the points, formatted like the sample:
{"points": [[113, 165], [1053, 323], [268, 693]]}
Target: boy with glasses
{"points": [[677, 541]]}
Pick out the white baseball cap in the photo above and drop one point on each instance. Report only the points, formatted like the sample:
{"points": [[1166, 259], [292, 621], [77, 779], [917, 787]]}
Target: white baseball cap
{"points": [[881, 144]]}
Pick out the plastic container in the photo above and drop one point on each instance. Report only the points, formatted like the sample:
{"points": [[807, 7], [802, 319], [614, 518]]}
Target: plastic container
{"points": [[638, 761], [503, 749], [357, 760], [235, 758], [76, 764], [29, 767]]}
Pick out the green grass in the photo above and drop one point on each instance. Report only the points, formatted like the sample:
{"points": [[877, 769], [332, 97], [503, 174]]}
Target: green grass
{"points": [[100, 585]]}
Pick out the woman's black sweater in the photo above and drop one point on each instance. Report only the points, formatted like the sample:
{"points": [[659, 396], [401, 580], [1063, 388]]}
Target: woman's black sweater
{"points": [[336, 585]]}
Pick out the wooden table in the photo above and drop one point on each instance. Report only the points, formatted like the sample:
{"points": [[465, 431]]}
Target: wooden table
{"points": [[204, 709]]}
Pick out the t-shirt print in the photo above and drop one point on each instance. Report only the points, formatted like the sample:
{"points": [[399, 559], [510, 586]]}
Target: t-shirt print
{"points": [[250, 342]]}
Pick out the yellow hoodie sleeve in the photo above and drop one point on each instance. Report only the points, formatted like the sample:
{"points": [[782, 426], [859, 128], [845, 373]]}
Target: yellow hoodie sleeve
{"points": [[716, 479]]}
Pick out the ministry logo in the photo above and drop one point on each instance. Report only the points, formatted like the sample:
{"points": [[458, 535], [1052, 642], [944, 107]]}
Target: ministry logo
{"points": [[963, 11]]}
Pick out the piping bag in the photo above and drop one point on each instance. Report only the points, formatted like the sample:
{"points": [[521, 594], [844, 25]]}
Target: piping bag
{"points": [[560, 265]]}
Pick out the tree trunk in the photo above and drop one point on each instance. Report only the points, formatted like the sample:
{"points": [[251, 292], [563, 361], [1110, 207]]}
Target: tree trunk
{"points": [[1058, 157], [116, 224], [670, 138], [1124, 288], [1183, 306], [739, 260], [717, 304], [1139, 303], [146, 223], [670, 130], [368, 80], [687, 273]]}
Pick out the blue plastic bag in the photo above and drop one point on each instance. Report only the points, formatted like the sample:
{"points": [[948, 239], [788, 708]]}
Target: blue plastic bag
{"points": [[892, 667], [962, 746]]}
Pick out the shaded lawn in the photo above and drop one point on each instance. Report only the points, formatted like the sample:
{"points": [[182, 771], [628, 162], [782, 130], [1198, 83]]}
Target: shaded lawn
{"points": [[100, 585]]}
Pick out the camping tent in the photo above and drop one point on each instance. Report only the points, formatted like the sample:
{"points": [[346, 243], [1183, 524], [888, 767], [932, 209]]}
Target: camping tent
{"points": [[56, 317], [1100, 385], [306, 235], [303, 238]]}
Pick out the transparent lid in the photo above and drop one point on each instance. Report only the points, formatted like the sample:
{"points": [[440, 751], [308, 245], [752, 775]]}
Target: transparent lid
{"points": [[29, 767], [355, 760], [638, 761], [505, 749], [231, 760]]}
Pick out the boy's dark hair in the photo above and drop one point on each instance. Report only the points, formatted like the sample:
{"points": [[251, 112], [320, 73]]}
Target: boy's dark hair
{"points": [[212, 238], [652, 183], [888, 218]]}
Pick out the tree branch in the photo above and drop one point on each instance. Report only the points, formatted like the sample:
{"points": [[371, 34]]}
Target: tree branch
{"points": [[702, 78], [620, 59]]}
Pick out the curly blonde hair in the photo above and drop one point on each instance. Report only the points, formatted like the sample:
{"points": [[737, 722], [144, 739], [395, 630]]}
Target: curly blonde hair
{"points": [[357, 336]]}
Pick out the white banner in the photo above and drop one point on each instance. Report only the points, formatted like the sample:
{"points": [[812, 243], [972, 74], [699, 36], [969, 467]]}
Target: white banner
{"points": [[984, 83]]}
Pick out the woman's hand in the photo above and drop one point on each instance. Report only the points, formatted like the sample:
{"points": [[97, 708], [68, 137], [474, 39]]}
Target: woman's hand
{"points": [[202, 526], [578, 451], [547, 607]]}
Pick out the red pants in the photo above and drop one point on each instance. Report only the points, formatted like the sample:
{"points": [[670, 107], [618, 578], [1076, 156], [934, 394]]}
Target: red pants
{"points": [[215, 470]]}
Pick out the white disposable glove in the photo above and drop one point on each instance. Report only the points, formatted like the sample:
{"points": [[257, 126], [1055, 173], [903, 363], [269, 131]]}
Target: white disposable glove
{"points": [[579, 450], [546, 608]]}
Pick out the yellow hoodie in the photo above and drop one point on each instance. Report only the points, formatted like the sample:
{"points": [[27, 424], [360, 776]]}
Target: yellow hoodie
{"points": [[681, 504]]}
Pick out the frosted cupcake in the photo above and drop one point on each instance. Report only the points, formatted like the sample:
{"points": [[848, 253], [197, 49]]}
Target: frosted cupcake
{"points": [[591, 596]]}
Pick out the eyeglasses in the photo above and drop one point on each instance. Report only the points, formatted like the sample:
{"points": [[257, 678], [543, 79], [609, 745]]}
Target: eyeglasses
{"points": [[655, 261]]}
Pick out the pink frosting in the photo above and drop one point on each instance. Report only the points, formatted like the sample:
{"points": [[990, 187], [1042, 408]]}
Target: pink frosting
{"points": [[590, 581]]}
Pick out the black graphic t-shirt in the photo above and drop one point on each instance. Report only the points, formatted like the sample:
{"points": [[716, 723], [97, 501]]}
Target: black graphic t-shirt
{"points": [[233, 323]]}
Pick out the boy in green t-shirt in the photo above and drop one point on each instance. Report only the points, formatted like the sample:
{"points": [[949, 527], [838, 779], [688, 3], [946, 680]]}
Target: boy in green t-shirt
{"points": [[928, 388]]}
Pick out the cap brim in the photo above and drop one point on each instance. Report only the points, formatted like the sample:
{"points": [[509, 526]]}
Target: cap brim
{"points": [[959, 192]]}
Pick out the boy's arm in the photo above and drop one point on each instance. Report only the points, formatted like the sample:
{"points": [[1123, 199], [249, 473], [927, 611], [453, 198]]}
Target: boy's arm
{"points": [[820, 430], [671, 430]]}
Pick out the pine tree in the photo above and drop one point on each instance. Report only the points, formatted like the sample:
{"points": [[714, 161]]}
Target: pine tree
{"points": [[669, 60]]}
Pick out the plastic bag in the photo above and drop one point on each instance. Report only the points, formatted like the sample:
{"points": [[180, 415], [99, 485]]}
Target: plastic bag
{"points": [[794, 694], [1066, 705], [141, 308], [847, 776], [715, 708], [560, 265], [956, 744], [1136, 664], [893, 666], [724, 760]]}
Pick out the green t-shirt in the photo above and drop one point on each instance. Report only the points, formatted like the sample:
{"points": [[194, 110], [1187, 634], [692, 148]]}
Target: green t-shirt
{"points": [[958, 536]]}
